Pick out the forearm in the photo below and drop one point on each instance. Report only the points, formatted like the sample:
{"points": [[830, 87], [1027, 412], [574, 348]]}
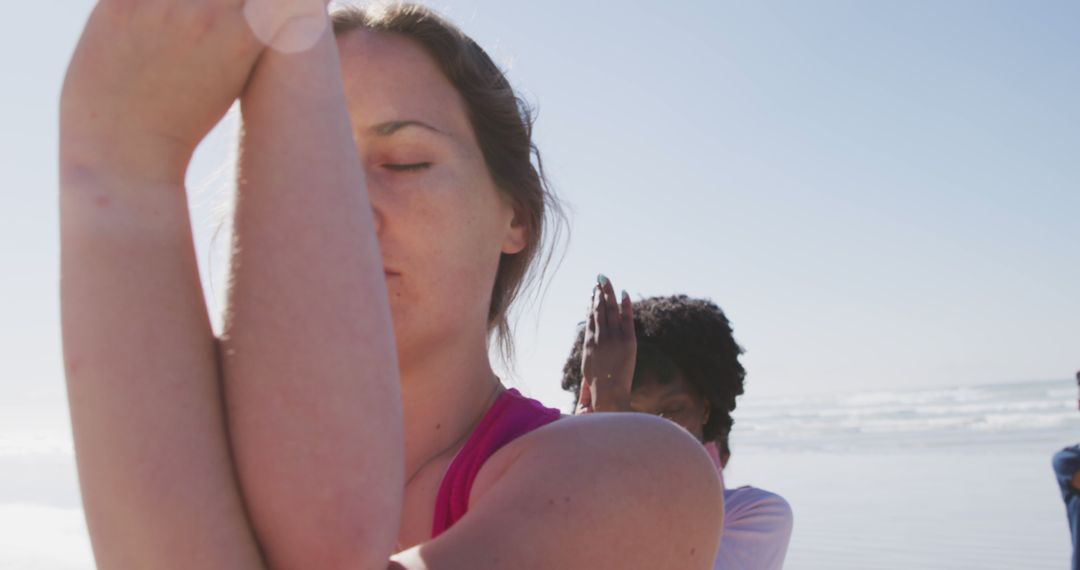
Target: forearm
{"points": [[154, 468], [310, 366]]}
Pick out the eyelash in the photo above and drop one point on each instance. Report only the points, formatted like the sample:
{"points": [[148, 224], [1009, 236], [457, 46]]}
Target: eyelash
{"points": [[416, 166]]}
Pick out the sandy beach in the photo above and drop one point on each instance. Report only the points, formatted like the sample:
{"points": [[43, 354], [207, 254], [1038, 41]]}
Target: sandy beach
{"points": [[937, 480], [852, 511]]}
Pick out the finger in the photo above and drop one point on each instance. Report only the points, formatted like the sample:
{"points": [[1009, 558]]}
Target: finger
{"points": [[611, 310], [599, 315], [589, 340], [584, 404], [590, 319], [627, 317]]}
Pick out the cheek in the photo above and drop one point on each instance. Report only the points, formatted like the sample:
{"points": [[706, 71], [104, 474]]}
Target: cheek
{"points": [[464, 216], [690, 427], [691, 421], [426, 210], [444, 227]]}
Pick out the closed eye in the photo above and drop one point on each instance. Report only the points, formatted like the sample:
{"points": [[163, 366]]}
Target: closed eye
{"points": [[407, 167]]}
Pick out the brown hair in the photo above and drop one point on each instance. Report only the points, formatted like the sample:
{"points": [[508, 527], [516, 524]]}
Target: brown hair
{"points": [[502, 123]]}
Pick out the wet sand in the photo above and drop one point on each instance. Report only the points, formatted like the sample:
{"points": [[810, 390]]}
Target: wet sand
{"points": [[939, 510]]}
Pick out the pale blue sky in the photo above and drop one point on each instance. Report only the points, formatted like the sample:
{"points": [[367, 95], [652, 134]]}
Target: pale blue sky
{"points": [[881, 195]]}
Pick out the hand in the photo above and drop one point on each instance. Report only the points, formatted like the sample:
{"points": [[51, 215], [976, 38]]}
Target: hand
{"points": [[150, 78], [609, 353]]}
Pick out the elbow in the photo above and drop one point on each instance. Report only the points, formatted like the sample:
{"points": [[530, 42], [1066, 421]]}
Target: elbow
{"points": [[331, 549], [350, 535]]}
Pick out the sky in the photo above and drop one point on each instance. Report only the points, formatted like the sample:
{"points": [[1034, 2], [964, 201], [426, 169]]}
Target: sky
{"points": [[881, 195]]}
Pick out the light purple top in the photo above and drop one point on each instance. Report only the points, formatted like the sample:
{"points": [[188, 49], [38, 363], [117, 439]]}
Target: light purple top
{"points": [[757, 527]]}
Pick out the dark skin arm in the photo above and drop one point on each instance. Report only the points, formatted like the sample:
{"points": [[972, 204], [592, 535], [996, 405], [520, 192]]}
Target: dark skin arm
{"points": [[1076, 476]]}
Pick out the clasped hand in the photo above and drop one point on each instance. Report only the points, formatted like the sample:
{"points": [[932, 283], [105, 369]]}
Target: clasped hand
{"points": [[150, 78]]}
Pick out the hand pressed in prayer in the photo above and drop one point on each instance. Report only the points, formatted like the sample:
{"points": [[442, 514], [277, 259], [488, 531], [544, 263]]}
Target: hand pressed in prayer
{"points": [[609, 352]]}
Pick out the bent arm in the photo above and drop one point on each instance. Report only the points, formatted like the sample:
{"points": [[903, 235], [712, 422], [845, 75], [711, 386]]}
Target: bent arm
{"points": [[310, 366], [1066, 465], [157, 483], [156, 478]]}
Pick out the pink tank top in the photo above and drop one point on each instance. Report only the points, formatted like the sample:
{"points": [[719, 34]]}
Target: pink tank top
{"points": [[510, 417]]}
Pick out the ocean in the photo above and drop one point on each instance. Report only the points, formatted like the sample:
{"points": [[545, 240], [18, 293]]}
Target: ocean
{"points": [[943, 479], [939, 479], [989, 418]]}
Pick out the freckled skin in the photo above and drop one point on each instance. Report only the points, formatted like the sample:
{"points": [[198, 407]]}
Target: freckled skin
{"points": [[447, 252], [445, 281]]}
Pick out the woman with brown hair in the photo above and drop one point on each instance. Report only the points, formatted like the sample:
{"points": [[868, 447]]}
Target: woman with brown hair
{"points": [[388, 213]]}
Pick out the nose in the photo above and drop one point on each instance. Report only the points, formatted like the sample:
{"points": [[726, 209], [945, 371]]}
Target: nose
{"points": [[375, 201], [377, 217]]}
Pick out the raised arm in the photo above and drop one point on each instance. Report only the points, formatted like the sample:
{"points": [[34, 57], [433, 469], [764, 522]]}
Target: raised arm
{"points": [[609, 352], [310, 365], [145, 85]]}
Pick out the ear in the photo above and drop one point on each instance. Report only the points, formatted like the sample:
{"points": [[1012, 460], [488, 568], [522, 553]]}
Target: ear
{"points": [[515, 239]]}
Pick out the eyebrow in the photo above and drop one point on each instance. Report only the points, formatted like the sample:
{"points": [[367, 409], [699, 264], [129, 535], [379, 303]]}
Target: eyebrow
{"points": [[666, 396], [390, 127]]}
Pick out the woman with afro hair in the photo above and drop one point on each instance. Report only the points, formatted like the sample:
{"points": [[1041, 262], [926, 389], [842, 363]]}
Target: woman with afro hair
{"points": [[676, 357]]}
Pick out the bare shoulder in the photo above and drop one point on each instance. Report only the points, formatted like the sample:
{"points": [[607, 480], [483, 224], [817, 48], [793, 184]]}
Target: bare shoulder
{"points": [[755, 509], [598, 491], [639, 448]]}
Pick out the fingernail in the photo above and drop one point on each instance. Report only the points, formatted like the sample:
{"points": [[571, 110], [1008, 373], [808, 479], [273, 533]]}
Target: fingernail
{"points": [[601, 279]]}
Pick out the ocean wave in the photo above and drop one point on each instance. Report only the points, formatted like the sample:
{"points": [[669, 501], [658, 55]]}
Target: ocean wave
{"points": [[980, 415]]}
